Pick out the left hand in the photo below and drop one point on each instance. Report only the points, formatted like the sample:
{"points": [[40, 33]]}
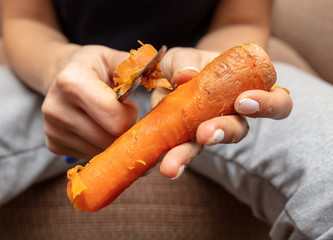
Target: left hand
{"points": [[182, 64]]}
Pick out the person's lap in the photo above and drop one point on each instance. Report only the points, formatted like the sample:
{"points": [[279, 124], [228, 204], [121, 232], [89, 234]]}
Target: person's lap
{"points": [[278, 169]]}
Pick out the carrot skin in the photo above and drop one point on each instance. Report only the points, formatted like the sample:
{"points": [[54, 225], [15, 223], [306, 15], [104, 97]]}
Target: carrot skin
{"points": [[173, 121]]}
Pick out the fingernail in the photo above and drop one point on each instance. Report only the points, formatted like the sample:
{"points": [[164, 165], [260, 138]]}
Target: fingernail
{"points": [[181, 77], [217, 137], [189, 68], [247, 106], [70, 160], [180, 172]]}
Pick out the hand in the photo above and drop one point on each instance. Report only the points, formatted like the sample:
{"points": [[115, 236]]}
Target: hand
{"points": [[275, 104], [82, 114]]}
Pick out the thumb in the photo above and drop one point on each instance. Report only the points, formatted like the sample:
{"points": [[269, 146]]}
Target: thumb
{"points": [[179, 65], [184, 75]]}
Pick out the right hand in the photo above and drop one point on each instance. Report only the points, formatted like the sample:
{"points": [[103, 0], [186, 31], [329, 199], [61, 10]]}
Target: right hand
{"points": [[82, 115]]}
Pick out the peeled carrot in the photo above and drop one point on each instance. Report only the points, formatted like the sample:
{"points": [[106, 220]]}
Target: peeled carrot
{"points": [[173, 121]]}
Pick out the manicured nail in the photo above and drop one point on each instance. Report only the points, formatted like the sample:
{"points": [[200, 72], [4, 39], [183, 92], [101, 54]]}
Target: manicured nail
{"points": [[189, 68], [247, 106], [217, 137], [180, 172]]}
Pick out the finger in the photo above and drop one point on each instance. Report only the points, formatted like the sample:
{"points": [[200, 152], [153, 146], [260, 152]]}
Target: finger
{"points": [[181, 64], [63, 116], [176, 160], [60, 149], [184, 75], [276, 104], [113, 58], [98, 100], [178, 58], [82, 126], [63, 142], [157, 95], [226, 129]]}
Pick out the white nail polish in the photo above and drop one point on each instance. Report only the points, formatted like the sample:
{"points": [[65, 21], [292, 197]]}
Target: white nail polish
{"points": [[189, 68], [217, 137], [180, 172], [247, 106]]}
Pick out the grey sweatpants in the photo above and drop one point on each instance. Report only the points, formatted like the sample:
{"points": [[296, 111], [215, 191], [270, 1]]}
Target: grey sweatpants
{"points": [[282, 169]]}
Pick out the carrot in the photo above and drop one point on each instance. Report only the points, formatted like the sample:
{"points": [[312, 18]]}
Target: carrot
{"points": [[173, 121], [127, 70]]}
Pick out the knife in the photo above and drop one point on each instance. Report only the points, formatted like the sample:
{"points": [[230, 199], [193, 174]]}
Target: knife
{"points": [[144, 72]]}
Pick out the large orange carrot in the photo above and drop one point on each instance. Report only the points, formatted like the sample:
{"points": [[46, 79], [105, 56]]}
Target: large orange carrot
{"points": [[173, 121]]}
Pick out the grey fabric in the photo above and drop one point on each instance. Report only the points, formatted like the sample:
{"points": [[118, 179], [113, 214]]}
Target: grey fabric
{"points": [[24, 159], [284, 169]]}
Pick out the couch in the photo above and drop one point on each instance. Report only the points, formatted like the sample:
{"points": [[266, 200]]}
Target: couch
{"points": [[191, 207]]}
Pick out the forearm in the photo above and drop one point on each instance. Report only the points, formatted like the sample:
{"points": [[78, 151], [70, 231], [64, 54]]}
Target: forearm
{"points": [[228, 36], [34, 45], [238, 21]]}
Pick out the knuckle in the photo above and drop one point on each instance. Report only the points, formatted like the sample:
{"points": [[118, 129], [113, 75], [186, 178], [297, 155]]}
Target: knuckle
{"points": [[123, 119], [239, 129], [122, 126], [176, 59], [243, 130], [279, 108], [184, 53], [53, 147], [45, 106], [50, 114], [177, 53], [48, 108], [51, 135], [123, 123], [175, 50], [246, 131], [67, 79]]}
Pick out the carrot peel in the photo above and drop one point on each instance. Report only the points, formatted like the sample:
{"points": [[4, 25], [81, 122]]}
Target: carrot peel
{"points": [[77, 186], [131, 67]]}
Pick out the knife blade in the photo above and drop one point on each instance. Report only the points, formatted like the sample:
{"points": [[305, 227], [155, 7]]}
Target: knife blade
{"points": [[144, 72]]}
